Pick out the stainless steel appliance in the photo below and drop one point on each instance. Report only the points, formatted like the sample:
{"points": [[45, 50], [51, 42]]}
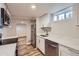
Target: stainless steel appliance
{"points": [[0, 38]]}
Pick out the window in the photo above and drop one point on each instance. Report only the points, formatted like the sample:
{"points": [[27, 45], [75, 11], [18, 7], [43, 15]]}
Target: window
{"points": [[68, 14], [55, 18], [63, 14], [0, 30]]}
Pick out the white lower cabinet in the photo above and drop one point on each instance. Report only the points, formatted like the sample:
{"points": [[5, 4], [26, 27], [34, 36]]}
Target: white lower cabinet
{"points": [[37, 42], [66, 51], [41, 44], [63, 50]]}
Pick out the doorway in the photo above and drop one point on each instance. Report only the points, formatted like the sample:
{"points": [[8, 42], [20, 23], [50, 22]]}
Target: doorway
{"points": [[21, 29]]}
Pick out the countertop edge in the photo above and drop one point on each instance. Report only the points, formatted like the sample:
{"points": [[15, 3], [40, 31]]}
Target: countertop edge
{"points": [[58, 42], [12, 37]]}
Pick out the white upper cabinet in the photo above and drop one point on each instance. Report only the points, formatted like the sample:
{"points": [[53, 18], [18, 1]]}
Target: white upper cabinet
{"points": [[44, 20]]}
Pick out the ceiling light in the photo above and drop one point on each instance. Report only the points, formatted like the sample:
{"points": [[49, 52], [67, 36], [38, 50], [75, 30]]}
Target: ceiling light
{"points": [[33, 6], [22, 22]]}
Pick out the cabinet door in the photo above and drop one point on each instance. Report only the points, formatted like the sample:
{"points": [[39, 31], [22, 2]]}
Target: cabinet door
{"points": [[42, 45], [66, 51], [38, 42]]}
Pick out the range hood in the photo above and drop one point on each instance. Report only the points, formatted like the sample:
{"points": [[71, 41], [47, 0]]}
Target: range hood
{"points": [[46, 30]]}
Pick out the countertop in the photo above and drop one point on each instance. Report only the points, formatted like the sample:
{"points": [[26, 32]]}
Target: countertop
{"points": [[71, 42], [8, 50], [10, 37]]}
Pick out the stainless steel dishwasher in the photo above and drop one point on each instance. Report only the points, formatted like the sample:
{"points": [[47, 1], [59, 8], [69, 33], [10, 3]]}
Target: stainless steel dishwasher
{"points": [[51, 48], [0, 38]]}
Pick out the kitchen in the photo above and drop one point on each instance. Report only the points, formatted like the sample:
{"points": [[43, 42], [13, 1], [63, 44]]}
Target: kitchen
{"points": [[51, 36]]}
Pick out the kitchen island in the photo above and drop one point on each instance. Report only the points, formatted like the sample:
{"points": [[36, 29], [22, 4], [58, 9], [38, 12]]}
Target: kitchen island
{"points": [[8, 50], [9, 45]]}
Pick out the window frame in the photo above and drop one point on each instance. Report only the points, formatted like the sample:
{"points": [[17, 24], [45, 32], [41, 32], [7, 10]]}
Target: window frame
{"points": [[63, 11], [61, 14]]}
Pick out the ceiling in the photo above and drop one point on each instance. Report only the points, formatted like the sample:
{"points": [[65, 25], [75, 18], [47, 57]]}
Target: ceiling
{"points": [[24, 10]]}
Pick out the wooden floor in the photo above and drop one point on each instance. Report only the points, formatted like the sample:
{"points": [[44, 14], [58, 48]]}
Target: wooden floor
{"points": [[24, 49]]}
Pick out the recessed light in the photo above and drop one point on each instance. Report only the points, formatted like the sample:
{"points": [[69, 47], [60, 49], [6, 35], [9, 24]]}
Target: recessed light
{"points": [[33, 6], [22, 22]]}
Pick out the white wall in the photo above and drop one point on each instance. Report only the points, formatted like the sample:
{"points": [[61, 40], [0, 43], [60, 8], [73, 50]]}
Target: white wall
{"points": [[2, 6], [62, 28], [42, 21], [11, 30], [5, 31], [21, 29], [65, 29], [66, 32], [28, 27], [59, 6]]}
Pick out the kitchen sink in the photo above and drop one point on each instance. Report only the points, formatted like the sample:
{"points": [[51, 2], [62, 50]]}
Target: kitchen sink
{"points": [[43, 35]]}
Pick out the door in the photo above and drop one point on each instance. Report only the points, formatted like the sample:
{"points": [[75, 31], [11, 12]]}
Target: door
{"points": [[21, 29]]}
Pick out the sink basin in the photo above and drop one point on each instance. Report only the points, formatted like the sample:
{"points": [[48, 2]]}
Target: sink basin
{"points": [[43, 35]]}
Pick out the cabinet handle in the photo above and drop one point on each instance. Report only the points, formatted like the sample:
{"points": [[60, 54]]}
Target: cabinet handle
{"points": [[53, 45]]}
